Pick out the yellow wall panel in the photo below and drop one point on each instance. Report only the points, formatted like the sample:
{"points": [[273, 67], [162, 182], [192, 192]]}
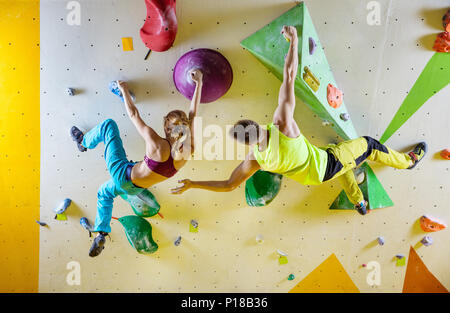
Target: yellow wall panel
{"points": [[19, 146]]}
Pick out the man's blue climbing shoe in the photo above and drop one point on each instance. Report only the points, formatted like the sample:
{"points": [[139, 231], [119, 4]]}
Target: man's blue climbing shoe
{"points": [[417, 154], [98, 245], [114, 88], [362, 207], [77, 136]]}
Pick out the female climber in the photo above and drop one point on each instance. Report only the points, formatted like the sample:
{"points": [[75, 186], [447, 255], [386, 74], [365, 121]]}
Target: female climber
{"points": [[164, 156], [281, 147]]}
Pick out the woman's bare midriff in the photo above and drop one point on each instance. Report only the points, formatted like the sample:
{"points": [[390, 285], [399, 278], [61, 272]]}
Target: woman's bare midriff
{"points": [[143, 177]]}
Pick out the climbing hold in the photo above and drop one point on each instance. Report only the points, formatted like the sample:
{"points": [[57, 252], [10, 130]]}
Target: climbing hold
{"points": [[291, 277], [114, 88], [442, 43], [281, 253], [427, 241], [430, 224], [380, 241], [61, 208], [70, 91], [334, 96], [309, 78], [259, 239], [194, 223], [217, 74], [312, 45], [262, 188], [127, 44], [360, 177], [86, 225], [344, 116], [326, 123], [143, 204], [177, 241], [193, 226], [364, 265], [41, 223], [401, 260], [139, 233], [446, 21], [160, 28], [445, 154]]}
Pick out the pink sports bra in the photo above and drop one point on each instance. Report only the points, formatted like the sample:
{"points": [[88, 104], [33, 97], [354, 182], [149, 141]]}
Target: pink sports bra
{"points": [[165, 168]]}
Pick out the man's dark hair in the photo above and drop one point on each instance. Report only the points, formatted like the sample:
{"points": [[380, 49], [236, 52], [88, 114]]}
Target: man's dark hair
{"points": [[246, 131]]}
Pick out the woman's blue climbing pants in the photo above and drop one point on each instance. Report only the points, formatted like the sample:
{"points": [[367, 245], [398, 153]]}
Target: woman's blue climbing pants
{"points": [[117, 164]]}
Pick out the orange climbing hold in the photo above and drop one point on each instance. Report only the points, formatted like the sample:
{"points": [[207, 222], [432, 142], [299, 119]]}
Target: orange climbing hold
{"points": [[442, 43], [445, 154], [446, 21], [334, 96], [430, 224], [161, 25]]}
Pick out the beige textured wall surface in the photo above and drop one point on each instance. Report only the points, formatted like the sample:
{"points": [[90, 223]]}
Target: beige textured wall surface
{"points": [[375, 66]]}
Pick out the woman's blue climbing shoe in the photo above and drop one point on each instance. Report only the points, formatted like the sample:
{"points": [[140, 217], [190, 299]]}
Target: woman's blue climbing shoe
{"points": [[98, 245], [362, 207], [418, 153], [77, 136], [114, 88]]}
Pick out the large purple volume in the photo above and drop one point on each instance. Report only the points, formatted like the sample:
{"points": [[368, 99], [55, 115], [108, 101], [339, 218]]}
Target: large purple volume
{"points": [[217, 74]]}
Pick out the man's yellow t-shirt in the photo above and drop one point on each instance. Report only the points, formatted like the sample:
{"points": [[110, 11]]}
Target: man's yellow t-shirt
{"points": [[295, 158]]}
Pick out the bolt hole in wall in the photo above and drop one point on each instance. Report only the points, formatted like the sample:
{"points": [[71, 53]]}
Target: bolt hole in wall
{"points": [[217, 241]]}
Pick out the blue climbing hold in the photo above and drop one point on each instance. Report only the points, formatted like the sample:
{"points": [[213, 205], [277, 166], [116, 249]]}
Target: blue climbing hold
{"points": [[114, 88], [86, 225]]}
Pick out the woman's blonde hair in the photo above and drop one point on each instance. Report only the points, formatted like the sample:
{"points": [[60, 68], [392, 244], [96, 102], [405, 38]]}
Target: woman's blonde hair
{"points": [[175, 118]]}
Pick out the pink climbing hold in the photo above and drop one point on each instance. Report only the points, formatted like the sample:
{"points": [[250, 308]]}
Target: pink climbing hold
{"points": [[445, 154], [442, 43], [160, 27], [334, 96]]}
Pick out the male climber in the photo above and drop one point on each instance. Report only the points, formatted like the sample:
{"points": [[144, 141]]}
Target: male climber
{"points": [[281, 148]]}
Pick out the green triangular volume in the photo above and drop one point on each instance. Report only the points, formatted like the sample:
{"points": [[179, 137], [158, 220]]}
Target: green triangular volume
{"points": [[270, 48], [372, 190], [262, 188]]}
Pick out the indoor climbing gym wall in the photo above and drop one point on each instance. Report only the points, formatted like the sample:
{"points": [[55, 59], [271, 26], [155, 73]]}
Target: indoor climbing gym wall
{"points": [[390, 60]]}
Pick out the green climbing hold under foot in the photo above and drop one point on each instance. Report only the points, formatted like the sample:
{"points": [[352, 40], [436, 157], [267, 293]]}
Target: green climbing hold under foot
{"points": [[139, 233], [372, 190], [262, 188], [143, 204]]}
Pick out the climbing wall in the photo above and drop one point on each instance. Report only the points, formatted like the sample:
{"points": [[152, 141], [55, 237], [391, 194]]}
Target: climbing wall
{"points": [[374, 65]]}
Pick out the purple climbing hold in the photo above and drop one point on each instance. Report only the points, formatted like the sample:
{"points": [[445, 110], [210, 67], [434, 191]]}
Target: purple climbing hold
{"points": [[312, 46], [217, 74], [427, 241]]}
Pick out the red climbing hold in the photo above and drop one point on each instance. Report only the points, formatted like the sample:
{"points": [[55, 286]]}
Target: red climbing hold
{"points": [[445, 154], [442, 43], [334, 96], [160, 27]]}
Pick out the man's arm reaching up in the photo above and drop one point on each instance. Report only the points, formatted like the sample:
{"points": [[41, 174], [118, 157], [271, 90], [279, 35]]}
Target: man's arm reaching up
{"points": [[243, 172], [284, 114]]}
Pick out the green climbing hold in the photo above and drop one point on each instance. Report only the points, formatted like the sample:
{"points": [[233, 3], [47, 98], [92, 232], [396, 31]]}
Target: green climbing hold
{"points": [[139, 234], [143, 204], [270, 48], [291, 277], [372, 190], [262, 188], [434, 77]]}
